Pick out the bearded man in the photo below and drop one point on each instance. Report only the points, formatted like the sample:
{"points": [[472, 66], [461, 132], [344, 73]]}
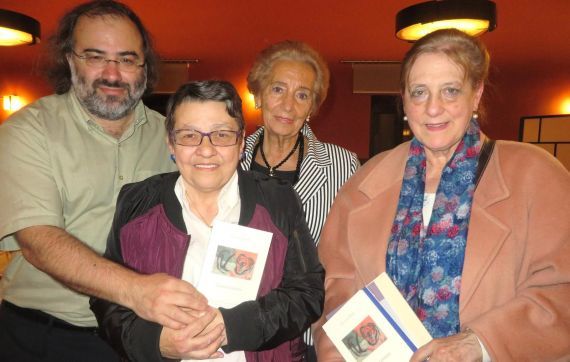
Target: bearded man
{"points": [[64, 159]]}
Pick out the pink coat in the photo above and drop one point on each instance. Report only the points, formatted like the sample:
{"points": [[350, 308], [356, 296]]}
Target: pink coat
{"points": [[515, 292]]}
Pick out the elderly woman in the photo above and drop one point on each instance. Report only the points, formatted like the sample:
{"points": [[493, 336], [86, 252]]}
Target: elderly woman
{"points": [[289, 81], [163, 225], [483, 264]]}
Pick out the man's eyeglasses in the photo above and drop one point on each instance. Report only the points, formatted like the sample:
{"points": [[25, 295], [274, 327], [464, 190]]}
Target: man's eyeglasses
{"points": [[126, 63], [221, 138]]}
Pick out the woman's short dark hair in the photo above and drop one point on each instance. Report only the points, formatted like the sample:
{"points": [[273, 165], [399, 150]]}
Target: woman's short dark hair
{"points": [[61, 43], [203, 91], [258, 76]]}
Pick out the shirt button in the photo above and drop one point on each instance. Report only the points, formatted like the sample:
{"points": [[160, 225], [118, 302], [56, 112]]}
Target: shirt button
{"points": [[121, 178]]}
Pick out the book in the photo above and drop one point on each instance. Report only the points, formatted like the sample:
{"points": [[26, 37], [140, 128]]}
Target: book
{"points": [[376, 324], [234, 264]]}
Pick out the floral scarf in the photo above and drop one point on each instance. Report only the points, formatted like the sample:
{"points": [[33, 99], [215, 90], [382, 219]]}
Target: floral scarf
{"points": [[426, 264]]}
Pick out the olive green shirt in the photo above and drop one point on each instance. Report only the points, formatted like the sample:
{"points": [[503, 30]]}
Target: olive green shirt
{"points": [[60, 168]]}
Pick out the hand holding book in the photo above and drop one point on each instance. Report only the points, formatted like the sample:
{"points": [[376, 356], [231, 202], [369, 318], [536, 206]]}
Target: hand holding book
{"points": [[376, 324]]}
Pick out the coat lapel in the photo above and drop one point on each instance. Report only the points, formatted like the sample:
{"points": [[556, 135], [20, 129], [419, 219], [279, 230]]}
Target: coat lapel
{"points": [[313, 166], [381, 187], [486, 234], [250, 143], [312, 169]]}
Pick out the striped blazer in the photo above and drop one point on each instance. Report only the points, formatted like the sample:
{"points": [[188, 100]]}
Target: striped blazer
{"points": [[325, 168]]}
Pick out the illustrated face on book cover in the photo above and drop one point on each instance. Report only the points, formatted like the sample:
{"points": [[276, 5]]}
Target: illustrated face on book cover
{"points": [[234, 263], [364, 339]]}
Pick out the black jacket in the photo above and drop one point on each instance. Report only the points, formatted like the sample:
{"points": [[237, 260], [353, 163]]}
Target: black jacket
{"points": [[291, 292]]}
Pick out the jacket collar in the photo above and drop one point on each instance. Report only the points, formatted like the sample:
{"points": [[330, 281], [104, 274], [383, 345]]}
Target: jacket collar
{"points": [[312, 175], [247, 190], [486, 234], [170, 202], [386, 173], [390, 170]]}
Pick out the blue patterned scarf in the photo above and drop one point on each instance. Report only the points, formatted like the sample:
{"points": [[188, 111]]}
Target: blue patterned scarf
{"points": [[426, 264]]}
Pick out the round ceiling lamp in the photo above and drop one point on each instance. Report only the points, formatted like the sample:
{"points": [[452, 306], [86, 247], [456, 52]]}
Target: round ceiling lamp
{"points": [[18, 29], [474, 17]]}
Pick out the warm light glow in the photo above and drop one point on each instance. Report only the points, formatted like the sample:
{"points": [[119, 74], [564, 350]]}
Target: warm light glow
{"points": [[12, 103], [250, 100], [9, 37], [565, 106], [473, 27]]}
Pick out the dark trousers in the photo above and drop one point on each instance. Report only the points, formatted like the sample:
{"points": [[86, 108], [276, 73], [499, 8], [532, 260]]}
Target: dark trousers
{"points": [[31, 335], [311, 356]]}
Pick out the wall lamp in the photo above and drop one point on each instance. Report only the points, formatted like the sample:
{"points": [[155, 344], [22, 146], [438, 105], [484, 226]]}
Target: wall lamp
{"points": [[12, 103], [18, 29], [474, 17]]}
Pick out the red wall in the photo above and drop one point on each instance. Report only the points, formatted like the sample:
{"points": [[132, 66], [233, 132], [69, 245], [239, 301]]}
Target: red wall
{"points": [[344, 118], [20, 80], [520, 92]]}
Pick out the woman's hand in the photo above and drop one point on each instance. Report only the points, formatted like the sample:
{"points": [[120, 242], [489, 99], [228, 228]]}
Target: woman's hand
{"points": [[200, 339], [218, 319], [462, 347], [164, 299]]}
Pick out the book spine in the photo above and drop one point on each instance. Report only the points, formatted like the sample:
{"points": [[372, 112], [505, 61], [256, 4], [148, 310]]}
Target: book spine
{"points": [[390, 320]]}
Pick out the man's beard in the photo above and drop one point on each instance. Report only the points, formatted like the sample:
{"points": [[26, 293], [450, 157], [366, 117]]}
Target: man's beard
{"points": [[108, 107]]}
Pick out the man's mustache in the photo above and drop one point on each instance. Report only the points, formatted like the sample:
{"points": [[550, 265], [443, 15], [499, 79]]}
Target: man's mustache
{"points": [[106, 83]]}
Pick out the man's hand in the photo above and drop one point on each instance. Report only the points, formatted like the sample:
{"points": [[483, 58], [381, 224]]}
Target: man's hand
{"points": [[165, 300], [194, 341], [462, 347], [158, 297]]}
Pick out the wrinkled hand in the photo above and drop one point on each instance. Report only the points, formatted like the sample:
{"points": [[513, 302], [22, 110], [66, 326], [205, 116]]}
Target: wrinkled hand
{"points": [[462, 347], [161, 298], [218, 319], [195, 341]]}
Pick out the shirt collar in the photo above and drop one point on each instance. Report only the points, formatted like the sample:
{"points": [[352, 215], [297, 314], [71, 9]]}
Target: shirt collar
{"points": [[228, 198]]}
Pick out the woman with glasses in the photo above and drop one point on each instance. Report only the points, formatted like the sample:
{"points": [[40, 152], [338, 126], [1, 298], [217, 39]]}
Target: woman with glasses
{"points": [[163, 225]]}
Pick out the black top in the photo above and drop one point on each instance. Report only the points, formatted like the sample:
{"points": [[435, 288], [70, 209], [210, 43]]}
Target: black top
{"points": [[283, 175]]}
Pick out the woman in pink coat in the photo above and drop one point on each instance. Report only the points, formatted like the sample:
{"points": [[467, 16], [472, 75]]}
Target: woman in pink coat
{"points": [[480, 254]]}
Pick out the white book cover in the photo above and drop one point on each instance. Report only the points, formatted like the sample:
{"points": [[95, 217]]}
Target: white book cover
{"points": [[376, 324], [234, 264]]}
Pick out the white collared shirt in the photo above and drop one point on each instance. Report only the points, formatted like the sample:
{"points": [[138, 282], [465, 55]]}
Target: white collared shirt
{"points": [[229, 205]]}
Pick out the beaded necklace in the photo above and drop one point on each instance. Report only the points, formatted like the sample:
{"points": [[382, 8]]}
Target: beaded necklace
{"points": [[298, 144]]}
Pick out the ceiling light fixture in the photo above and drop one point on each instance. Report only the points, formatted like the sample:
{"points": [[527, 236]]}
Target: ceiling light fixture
{"points": [[474, 17], [18, 29]]}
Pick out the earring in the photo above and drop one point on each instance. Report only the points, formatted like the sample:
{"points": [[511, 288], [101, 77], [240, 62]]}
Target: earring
{"points": [[405, 118], [173, 158], [257, 106], [242, 156], [475, 115], [308, 119]]}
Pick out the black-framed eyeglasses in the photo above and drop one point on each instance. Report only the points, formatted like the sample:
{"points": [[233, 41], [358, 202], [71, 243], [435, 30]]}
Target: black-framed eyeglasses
{"points": [[191, 137], [125, 63]]}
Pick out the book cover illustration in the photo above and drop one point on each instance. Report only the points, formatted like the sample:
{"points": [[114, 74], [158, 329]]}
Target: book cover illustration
{"points": [[376, 324]]}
